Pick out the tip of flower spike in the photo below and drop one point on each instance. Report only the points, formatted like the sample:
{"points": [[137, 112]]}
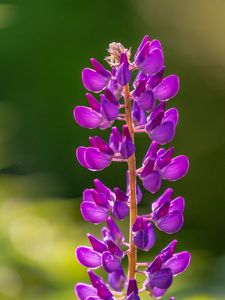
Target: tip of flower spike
{"points": [[115, 50]]}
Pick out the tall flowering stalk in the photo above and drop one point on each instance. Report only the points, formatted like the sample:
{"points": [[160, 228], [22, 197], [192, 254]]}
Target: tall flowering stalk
{"points": [[141, 108]]}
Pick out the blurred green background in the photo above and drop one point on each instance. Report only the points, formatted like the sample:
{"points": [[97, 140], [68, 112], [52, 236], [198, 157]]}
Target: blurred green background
{"points": [[44, 45]]}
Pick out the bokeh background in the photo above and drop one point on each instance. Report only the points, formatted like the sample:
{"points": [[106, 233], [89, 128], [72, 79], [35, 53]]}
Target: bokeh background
{"points": [[44, 44]]}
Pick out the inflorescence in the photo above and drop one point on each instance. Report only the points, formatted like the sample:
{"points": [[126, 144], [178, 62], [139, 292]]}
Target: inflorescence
{"points": [[142, 109]]}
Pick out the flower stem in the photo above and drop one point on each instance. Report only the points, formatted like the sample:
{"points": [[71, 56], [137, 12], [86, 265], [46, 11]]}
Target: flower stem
{"points": [[132, 180]]}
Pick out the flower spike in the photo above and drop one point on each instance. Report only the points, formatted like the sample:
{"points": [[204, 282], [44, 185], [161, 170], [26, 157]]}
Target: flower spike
{"points": [[138, 101]]}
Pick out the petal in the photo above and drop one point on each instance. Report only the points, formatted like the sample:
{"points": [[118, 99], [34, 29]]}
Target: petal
{"points": [[116, 234], [94, 103], [83, 290], [102, 188], [93, 298], [93, 213], [153, 63], [110, 262], [145, 239], [166, 196], [177, 204], [93, 81], [146, 101], [96, 159], [152, 182], [126, 148], [171, 223], [120, 210], [88, 257], [123, 74], [163, 134], [114, 249], [110, 110], [179, 262], [171, 115], [88, 196], [96, 244], [158, 293], [168, 88], [99, 284], [176, 169], [162, 279], [144, 41], [80, 154], [101, 199], [117, 280], [87, 117], [168, 251], [132, 287], [100, 68]]}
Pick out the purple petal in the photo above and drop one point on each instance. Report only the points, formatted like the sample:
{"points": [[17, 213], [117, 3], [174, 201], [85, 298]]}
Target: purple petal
{"points": [[166, 196], [153, 63], [93, 298], [144, 41], [93, 213], [171, 115], [88, 257], [179, 262], [168, 251], [133, 296], [96, 244], [158, 293], [101, 199], [123, 74], [146, 101], [132, 287], [155, 266], [164, 157], [80, 154], [163, 134], [171, 223], [168, 88], [102, 188], [176, 169], [93, 81], [87, 117], [155, 79], [88, 196], [177, 204], [96, 159], [162, 279], [155, 44], [120, 195], [152, 182], [109, 110], [110, 262], [102, 145], [100, 68], [120, 210], [161, 211], [117, 280], [115, 139], [126, 148], [145, 239], [83, 290], [138, 115], [116, 234], [139, 194], [114, 249], [98, 283], [94, 104]]}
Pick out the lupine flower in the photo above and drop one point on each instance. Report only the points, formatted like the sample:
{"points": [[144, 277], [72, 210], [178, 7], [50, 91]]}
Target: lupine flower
{"points": [[100, 202], [149, 57], [143, 234], [148, 89], [165, 266], [108, 255], [143, 109], [159, 164], [100, 154], [162, 124], [99, 114], [167, 213]]}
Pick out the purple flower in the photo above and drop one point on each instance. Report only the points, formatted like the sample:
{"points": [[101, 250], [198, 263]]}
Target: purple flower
{"points": [[162, 124], [143, 234], [100, 154], [100, 202], [149, 88], [159, 164], [117, 279], [99, 114], [165, 266], [167, 213], [96, 80], [149, 57], [123, 74], [102, 254]]}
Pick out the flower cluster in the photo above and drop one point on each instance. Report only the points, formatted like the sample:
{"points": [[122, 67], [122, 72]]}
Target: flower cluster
{"points": [[140, 110]]}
